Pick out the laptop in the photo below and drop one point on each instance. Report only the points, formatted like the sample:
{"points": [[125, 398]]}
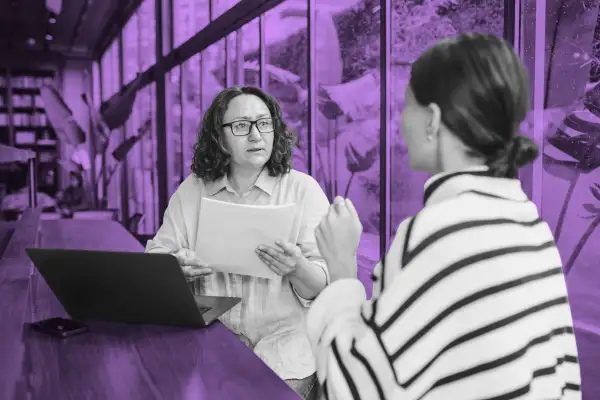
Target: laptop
{"points": [[126, 287]]}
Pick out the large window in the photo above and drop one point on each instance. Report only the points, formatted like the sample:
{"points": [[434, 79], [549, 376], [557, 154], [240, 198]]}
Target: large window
{"points": [[347, 81], [286, 69]]}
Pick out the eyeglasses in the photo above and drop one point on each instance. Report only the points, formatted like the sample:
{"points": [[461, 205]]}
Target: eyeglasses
{"points": [[243, 128]]}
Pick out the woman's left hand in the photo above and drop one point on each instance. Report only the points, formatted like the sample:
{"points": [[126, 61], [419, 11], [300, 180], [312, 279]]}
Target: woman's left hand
{"points": [[283, 259]]}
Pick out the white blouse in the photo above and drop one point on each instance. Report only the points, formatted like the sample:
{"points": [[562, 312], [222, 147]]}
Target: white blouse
{"points": [[271, 314]]}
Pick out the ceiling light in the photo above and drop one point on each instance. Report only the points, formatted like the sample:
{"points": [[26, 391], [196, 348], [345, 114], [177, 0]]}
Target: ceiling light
{"points": [[49, 37], [31, 41], [52, 20]]}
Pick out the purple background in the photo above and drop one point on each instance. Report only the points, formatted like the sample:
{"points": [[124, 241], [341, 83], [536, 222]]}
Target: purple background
{"points": [[555, 40]]}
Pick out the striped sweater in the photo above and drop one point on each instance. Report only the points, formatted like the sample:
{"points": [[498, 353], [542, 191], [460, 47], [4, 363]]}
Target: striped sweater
{"points": [[470, 303]]}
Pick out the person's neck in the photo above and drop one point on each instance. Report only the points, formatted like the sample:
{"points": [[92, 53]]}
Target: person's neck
{"points": [[242, 179]]}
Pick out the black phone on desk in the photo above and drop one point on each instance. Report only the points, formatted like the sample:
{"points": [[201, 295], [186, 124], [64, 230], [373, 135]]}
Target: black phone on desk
{"points": [[60, 327]]}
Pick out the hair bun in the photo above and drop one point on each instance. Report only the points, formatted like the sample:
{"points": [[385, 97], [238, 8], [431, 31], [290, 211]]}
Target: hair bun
{"points": [[519, 152], [524, 150]]}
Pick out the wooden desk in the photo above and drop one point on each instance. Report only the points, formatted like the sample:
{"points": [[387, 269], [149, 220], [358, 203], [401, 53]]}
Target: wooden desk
{"points": [[116, 361]]}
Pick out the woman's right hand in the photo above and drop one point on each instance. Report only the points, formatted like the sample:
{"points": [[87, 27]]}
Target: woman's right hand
{"points": [[191, 265]]}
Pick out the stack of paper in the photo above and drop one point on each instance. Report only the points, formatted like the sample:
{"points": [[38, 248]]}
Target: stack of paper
{"points": [[230, 233]]}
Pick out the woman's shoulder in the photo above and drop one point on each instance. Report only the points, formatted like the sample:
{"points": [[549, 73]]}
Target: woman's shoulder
{"points": [[191, 187], [301, 180]]}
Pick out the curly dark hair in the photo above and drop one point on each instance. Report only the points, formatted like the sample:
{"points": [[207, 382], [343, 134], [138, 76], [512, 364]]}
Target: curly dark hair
{"points": [[211, 159]]}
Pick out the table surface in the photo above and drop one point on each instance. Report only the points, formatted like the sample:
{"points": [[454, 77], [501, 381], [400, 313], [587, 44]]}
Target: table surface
{"points": [[115, 361]]}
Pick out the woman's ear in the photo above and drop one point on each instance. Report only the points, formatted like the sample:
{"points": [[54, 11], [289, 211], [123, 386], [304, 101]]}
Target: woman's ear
{"points": [[435, 119]]}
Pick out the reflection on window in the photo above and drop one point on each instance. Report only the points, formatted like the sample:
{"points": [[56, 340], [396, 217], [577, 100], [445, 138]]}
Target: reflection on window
{"points": [[571, 151], [413, 30], [220, 6], [286, 70], [110, 71], [189, 17]]}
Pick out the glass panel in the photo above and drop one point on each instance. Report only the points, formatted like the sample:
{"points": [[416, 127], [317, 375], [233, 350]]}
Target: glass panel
{"points": [[110, 71], [213, 73], [143, 192], [141, 160], [242, 48], [220, 6], [191, 88], [131, 43], [191, 109], [347, 112], [190, 17], [147, 34], [571, 175], [527, 43], [174, 115], [286, 69], [111, 85], [413, 30]]}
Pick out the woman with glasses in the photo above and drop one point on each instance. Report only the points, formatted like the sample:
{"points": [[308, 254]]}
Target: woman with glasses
{"points": [[471, 301], [243, 155]]}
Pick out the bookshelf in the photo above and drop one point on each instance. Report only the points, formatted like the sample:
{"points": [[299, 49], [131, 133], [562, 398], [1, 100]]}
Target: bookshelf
{"points": [[23, 124]]}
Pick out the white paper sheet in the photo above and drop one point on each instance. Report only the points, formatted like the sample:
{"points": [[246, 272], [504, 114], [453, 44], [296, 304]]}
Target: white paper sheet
{"points": [[229, 234]]}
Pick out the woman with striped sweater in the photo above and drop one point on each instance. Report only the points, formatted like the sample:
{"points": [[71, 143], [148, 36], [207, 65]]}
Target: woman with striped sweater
{"points": [[470, 302]]}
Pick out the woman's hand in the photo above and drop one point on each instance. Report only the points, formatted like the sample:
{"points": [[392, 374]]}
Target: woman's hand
{"points": [[191, 265], [338, 236], [283, 259]]}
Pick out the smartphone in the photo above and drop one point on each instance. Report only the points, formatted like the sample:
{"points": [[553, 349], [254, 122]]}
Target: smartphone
{"points": [[60, 327]]}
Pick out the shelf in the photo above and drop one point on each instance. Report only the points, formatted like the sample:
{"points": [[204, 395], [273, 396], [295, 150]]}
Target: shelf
{"points": [[23, 110], [27, 128], [26, 91]]}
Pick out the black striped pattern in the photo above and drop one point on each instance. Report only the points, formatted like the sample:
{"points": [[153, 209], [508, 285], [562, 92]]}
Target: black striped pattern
{"points": [[471, 304]]}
